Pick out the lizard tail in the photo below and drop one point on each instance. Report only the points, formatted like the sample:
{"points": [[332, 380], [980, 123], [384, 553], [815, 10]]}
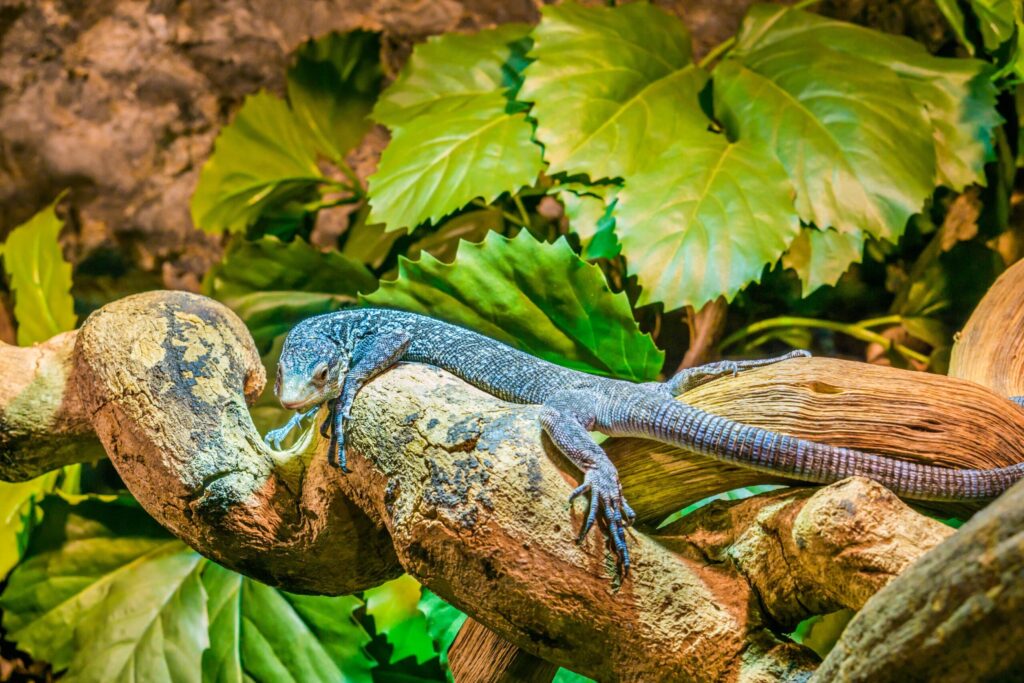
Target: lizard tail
{"points": [[718, 437]]}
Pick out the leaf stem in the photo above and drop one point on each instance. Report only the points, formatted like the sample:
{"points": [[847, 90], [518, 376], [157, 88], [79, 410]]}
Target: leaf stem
{"points": [[522, 210], [513, 219], [855, 330]]}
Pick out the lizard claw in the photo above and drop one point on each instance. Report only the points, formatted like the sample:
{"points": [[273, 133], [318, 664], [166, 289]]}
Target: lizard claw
{"points": [[606, 499], [274, 437]]}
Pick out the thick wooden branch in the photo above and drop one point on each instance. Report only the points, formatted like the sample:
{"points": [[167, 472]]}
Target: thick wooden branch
{"points": [[165, 377], [459, 489], [955, 614]]}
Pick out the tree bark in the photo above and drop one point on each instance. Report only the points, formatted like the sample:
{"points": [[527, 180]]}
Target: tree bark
{"points": [[955, 614], [459, 489]]}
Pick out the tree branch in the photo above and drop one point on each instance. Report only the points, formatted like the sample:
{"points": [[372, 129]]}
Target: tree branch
{"points": [[459, 489]]}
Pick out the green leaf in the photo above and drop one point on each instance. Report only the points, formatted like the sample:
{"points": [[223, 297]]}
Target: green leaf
{"points": [[40, 278], [452, 136], [393, 606], [538, 297], [263, 159], [955, 17], [820, 257], [110, 594], [566, 676], [272, 284], [443, 242], [437, 79], [995, 20], [443, 623], [957, 94], [591, 213], [704, 219], [853, 139], [332, 87], [258, 633], [609, 86], [18, 515]]}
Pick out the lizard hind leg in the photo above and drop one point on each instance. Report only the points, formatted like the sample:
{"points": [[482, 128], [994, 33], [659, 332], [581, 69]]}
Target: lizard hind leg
{"points": [[691, 378], [567, 427]]}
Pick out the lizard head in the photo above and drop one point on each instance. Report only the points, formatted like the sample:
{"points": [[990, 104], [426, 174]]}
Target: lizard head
{"points": [[312, 367]]}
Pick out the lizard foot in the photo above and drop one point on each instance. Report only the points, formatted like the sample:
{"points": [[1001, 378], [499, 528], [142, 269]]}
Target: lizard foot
{"points": [[334, 427], [606, 499]]}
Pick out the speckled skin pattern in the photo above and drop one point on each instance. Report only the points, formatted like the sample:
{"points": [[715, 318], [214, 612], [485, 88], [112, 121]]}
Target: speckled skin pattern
{"points": [[328, 358]]}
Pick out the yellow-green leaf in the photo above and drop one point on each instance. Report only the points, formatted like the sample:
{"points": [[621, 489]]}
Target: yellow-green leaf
{"points": [[40, 278]]}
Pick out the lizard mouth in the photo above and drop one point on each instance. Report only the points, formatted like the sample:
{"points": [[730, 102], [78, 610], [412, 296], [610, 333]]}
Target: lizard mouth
{"points": [[299, 405]]}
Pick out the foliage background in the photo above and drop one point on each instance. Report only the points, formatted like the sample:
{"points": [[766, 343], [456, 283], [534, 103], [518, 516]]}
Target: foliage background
{"points": [[575, 193]]}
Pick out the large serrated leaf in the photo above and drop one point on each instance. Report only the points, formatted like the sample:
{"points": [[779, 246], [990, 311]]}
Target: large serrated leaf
{"points": [[260, 634], [957, 94], [453, 136], [272, 284], [40, 278], [820, 257], [538, 297], [609, 86], [109, 593], [332, 87], [430, 85], [264, 158], [704, 219], [854, 140]]}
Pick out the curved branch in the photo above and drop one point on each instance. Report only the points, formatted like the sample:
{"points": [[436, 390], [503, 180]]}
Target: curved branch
{"points": [[165, 377], [462, 486]]}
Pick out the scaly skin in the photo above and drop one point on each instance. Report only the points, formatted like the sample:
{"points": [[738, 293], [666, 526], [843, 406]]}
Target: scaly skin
{"points": [[329, 358]]}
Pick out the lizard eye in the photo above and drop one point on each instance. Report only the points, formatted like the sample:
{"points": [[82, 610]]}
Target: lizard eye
{"points": [[320, 374]]}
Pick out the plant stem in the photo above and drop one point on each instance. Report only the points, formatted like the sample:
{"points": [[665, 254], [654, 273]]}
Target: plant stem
{"points": [[855, 330], [522, 210], [514, 220]]}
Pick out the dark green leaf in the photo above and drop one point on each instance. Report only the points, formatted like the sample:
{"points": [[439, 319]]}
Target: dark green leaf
{"points": [[592, 217], [264, 158], [443, 623], [332, 87], [610, 86], [39, 278], [273, 284], [393, 606], [539, 297]]}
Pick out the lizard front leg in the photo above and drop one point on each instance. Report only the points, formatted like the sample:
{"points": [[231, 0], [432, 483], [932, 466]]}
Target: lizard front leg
{"points": [[566, 419], [372, 356], [275, 436], [691, 378]]}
